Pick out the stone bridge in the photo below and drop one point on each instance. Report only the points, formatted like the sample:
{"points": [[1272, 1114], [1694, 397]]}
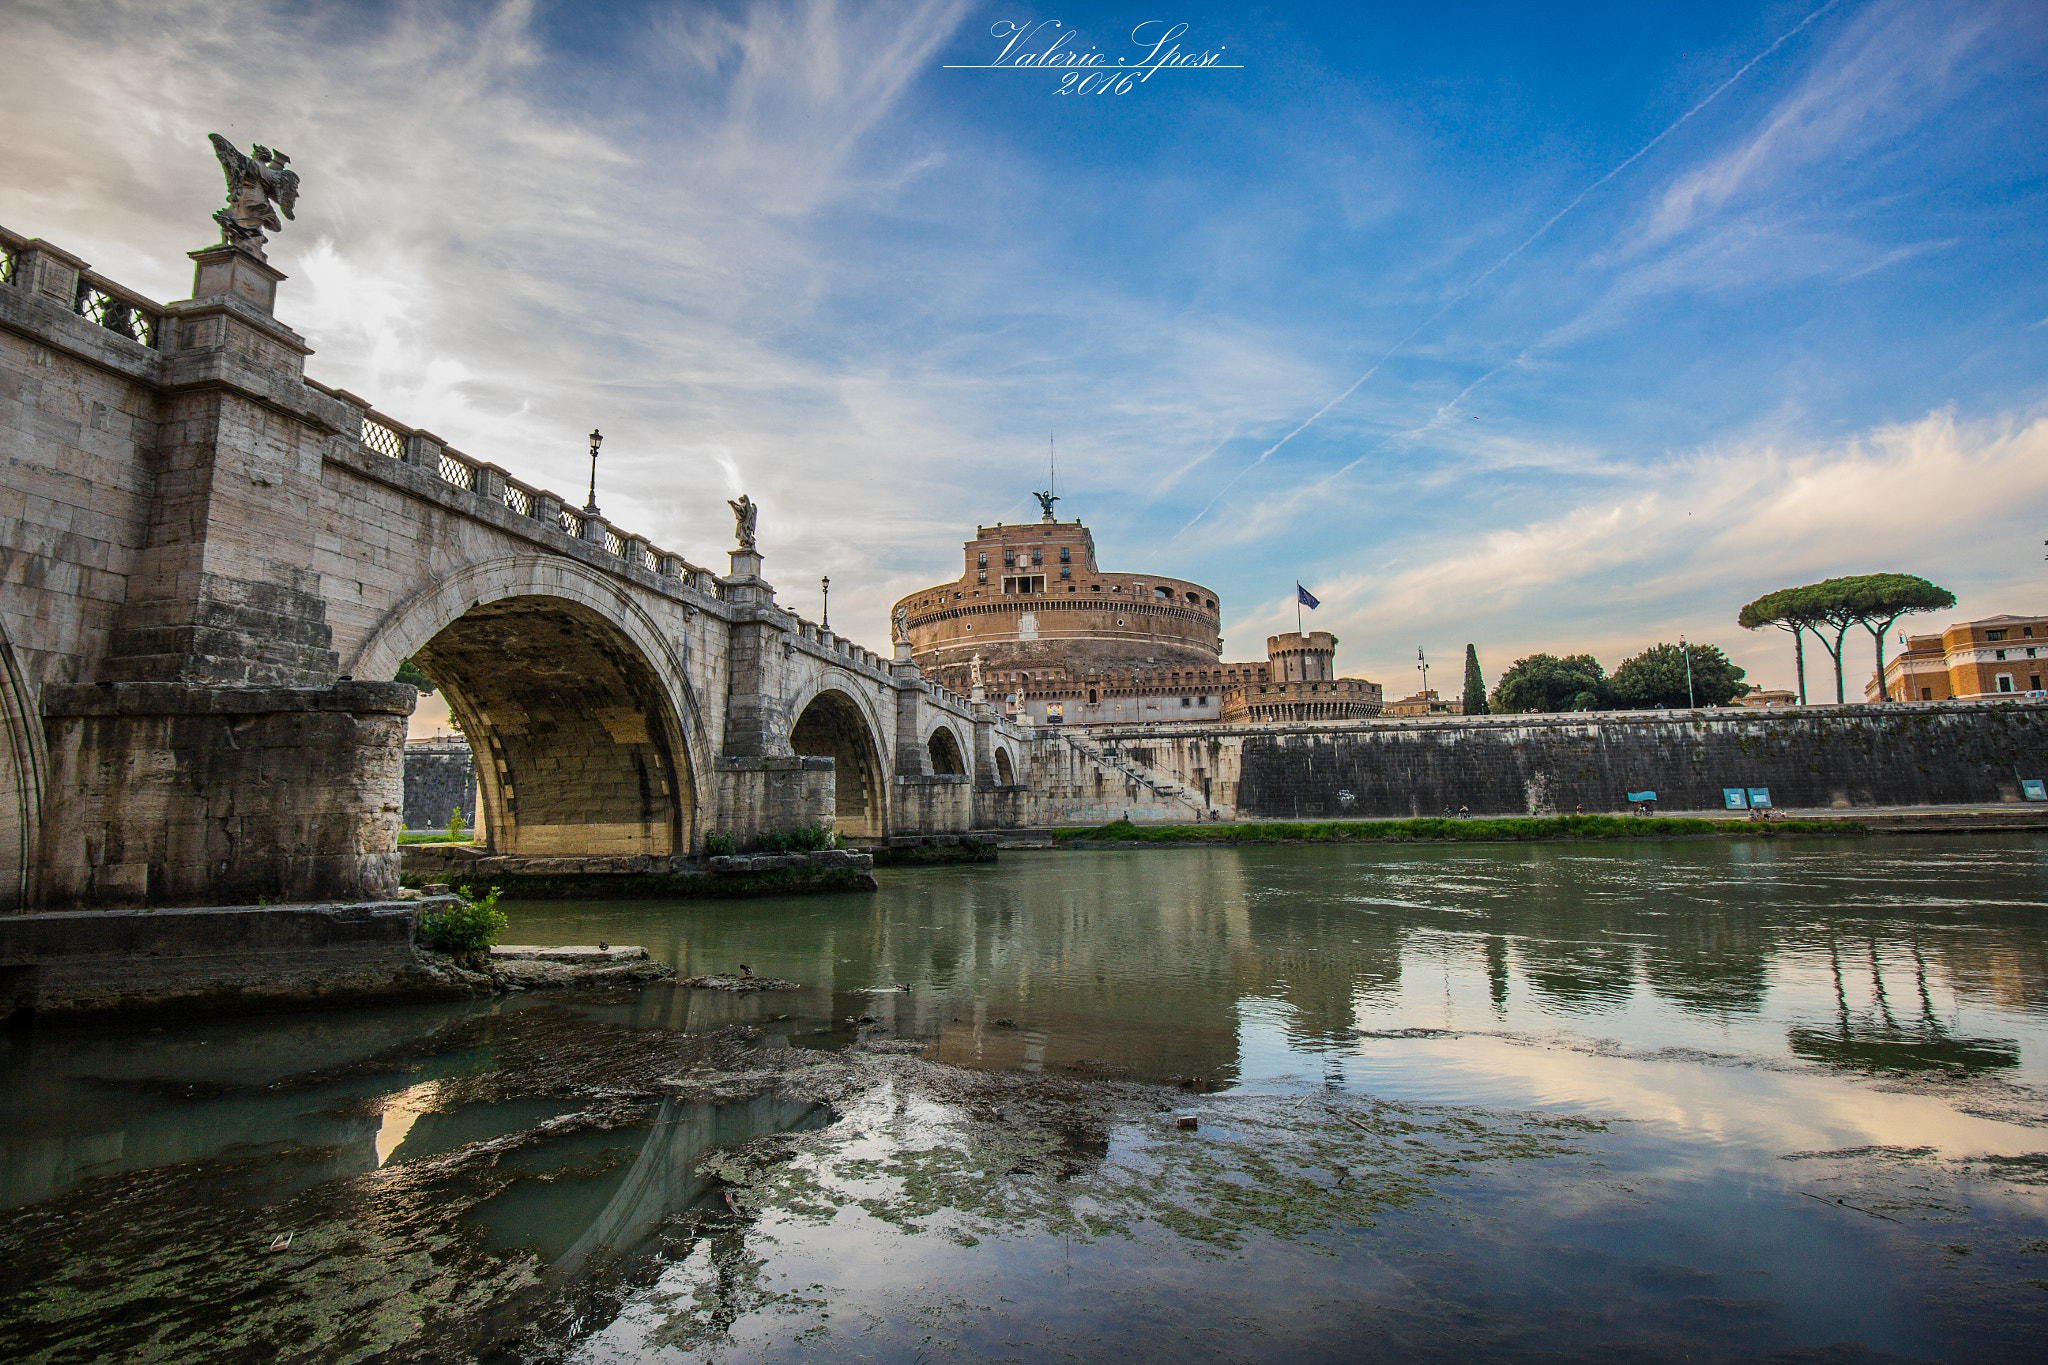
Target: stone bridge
{"points": [[210, 566]]}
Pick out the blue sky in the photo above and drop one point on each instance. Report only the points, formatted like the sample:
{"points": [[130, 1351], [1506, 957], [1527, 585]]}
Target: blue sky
{"points": [[1566, 327]]}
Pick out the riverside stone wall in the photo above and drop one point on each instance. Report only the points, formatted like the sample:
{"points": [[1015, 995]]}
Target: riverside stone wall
{"points": [[1809, 757], [440, 776]]}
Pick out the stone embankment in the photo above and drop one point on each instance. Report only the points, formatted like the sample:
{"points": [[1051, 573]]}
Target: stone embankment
{"points": [[87, 965], [470, 870]]}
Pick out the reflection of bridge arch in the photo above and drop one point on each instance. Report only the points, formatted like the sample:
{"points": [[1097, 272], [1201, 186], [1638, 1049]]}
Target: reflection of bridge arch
{"points": [[944, 747], [571, 700], [832, 724]]}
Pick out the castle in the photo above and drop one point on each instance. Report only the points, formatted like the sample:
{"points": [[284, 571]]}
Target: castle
{"points": [[1062, 641]]}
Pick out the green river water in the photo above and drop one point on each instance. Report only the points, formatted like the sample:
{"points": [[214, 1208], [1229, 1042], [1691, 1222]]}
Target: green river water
{"points": [[1717, 1100]]}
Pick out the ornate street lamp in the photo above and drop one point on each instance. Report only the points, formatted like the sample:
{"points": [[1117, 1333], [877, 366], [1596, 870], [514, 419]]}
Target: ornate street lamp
{"points": [[596, 440], [826, 584]]}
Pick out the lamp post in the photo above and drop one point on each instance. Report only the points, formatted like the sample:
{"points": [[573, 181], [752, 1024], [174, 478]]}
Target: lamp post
{"points": [[596, 440], [1423, 665], [825, 583], [1686, 649]]}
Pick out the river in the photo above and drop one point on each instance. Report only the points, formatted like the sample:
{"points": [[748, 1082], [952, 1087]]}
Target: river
{"points": [[1667, 1100]]}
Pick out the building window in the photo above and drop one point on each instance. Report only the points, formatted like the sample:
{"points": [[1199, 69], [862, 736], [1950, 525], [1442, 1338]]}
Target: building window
{"points": [[2027, 632], [2031, 652], [2034, 682], [1066, 555], [1036, 556], [2005, 682], [1066, 572], [1994, 635], [981, 576], [1211, 604], [1095, 587], [1927, 694], [1009, 558], [1164, 594], [1999, 655]]}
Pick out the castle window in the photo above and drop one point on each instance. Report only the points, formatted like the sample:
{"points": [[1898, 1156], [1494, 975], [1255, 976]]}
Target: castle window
{"points": [[1009, 557], [1193, 598], [1095, 587], [1066, 555], [1066, 572], [1212, 604], [1164, 594], [1037, 555], [981, 576], [1994, 635], [2026, 632]]}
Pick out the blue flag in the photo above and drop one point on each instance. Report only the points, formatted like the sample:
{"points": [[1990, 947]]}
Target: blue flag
{"points": [[1305, 597]]}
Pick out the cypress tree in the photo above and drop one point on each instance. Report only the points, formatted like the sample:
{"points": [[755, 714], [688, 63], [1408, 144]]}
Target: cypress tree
{"points": [[1475, 684]]}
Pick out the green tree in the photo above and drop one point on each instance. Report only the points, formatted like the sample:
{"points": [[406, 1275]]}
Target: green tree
{"points": [[1657, 675], [1544, 682], [1787, 610], [1874, 601], [1475, 684], [1882, 598], [409, 672]]}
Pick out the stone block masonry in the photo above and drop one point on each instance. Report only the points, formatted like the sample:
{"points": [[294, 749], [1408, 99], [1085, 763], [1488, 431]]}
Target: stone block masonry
{"points": [[205, 556], [171, 794], [1818, 757], [440, 777], [80, 966]]}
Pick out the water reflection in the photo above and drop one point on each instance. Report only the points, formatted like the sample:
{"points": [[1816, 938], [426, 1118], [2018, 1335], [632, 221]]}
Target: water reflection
{"points": [[1143, 963]]}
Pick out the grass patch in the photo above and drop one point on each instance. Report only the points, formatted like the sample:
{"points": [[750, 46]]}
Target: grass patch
{"points": [[436, 837], [1437, 829]]}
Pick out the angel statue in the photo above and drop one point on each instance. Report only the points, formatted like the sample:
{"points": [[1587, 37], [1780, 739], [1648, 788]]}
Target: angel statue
{"points": [[974, 671], [253, 183], [744, 512], [899, 624], [1045, 502]]}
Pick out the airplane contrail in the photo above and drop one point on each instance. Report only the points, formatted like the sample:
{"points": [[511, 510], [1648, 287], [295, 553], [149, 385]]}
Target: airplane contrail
{"points": [[1484, 275]]}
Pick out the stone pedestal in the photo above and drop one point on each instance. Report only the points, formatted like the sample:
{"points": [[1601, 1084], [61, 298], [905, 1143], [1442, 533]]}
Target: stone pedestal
{"points": [[225, 272]]}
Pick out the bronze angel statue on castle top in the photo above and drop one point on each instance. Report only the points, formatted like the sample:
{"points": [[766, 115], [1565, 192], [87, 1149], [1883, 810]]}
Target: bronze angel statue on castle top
{"points": [[254, 182]]}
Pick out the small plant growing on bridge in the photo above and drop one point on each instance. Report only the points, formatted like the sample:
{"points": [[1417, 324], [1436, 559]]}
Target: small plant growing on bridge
{"points": [[717, 845], [803, 839], [458, 828], [467, 930]]}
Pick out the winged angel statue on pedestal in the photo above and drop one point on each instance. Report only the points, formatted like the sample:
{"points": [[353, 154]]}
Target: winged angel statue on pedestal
{"points": [[745, 512], [254, 183]]}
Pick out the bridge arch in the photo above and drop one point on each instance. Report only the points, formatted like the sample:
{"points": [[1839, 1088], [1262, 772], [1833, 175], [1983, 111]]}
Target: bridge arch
{"points": [[947, 757], [1006, 771], [833, 723], [573, 700]]}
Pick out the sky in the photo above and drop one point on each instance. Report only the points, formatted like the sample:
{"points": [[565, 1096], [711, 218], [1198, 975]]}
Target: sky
{"points": [[1543, 327]]}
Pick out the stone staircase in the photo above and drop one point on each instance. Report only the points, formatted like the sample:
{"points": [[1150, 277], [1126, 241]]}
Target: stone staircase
{"points": [[1170, 793]]}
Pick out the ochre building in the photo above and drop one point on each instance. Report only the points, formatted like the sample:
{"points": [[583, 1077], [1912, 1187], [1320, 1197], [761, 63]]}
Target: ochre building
{"points": [[1062, 641], [1971, 660]]}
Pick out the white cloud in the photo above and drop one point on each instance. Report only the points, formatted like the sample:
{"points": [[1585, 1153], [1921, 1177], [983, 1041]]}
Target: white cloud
{"points": [[1619, 571]]}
